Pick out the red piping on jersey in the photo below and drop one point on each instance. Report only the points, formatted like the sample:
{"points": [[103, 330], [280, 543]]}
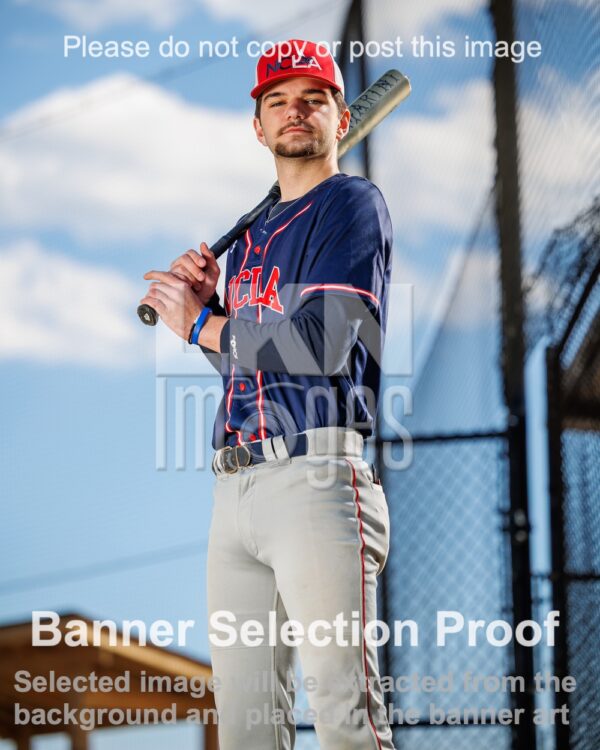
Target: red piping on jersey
{"points": [[284, 226], [248, 245], [229, 399], [340, 287], [228, 403], [262, 431], [232, 379], [363, 597]]}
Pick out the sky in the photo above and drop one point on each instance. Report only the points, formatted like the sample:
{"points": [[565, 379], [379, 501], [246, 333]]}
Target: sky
{"points": [[110, 167]]}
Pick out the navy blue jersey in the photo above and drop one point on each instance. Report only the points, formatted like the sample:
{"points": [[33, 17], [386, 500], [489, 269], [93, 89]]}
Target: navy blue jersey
{"points": [[306, 300]]}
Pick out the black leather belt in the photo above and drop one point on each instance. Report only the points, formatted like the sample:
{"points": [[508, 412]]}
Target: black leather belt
{"points": [[232, 458]]}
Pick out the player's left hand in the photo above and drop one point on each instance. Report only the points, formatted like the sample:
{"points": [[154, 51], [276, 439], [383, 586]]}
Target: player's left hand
{"points": [[174, 300]]}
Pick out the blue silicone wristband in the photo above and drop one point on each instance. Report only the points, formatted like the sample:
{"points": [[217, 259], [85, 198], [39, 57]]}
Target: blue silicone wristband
{"points": [[197, 327]]}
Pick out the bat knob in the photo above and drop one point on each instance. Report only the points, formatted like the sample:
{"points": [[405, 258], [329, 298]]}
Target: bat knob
{"points": [[147, 315]]}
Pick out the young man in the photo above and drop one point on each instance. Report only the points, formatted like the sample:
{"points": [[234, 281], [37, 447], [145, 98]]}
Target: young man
{"points": [[300, 528]]}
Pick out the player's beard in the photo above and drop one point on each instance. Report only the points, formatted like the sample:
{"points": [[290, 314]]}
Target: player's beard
{"points": [[309, 145]]}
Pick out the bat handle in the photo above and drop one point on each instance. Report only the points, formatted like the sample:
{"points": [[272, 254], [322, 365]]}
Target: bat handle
{"points": [[147, 315]]}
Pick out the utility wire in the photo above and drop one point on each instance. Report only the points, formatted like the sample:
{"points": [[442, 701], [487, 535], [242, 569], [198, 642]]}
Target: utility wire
{"points": [[109, 567]]}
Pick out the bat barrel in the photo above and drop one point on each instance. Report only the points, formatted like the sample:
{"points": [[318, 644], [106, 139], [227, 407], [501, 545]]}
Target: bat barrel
{"points": [[373, 105]]}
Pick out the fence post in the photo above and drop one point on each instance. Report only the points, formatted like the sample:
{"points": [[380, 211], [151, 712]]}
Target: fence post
{"points": [[513, 356], [354, 30]]}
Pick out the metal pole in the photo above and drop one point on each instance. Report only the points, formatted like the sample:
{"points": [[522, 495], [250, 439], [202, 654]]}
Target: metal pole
{"points": [[513, 357], [364, 82], [354, 31], [557, 525]]}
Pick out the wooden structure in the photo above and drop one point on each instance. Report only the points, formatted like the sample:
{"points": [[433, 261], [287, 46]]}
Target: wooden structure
{"points": [[136, 662]]}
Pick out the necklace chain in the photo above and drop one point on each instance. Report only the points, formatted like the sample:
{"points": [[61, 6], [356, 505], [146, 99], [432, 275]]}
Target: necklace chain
{"points": [[291, 203]]}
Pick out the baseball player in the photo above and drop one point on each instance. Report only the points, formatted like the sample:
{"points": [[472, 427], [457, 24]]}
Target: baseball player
{"points": [[300, 527]]}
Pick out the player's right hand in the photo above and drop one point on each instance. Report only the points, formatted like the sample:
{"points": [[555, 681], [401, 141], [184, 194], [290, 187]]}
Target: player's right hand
{"points": [[200, 270]]}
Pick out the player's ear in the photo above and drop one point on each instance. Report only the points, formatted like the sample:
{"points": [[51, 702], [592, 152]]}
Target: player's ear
{"points": [[343, 125], [259, 131]]}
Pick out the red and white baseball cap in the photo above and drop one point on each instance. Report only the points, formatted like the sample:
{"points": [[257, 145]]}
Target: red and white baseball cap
{"points": [[296, 58]]}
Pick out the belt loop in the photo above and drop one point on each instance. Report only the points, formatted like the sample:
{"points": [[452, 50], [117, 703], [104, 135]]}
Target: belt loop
{"points": [[330, 444], [279, 447], [268, 450], [355, 444]]}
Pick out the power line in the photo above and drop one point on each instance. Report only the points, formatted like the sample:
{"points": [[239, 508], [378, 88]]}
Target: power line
{"points": [[169, 73], [116, 565]]}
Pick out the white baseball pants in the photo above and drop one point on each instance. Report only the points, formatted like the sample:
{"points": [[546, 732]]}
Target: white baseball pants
{"points": [[304, 538]]}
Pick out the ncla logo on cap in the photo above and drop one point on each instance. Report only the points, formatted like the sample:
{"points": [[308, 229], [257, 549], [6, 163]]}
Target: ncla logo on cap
{"points": [[296, 58], [293, 61]]}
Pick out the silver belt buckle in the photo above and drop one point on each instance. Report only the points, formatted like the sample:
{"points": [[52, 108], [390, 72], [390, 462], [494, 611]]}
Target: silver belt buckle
{"points": [[237, 456], [226, 468], [232, 468]]}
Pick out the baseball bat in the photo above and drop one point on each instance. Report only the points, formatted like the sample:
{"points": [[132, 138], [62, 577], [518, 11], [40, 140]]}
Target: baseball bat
{"points": [[366, 112]]}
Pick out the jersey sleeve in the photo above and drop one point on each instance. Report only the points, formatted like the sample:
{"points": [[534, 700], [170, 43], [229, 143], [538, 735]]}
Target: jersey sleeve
{"points": [[351, 250], [316, 340]]}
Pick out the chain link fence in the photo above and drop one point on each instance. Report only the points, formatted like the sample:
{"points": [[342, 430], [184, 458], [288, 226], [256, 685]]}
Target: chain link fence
{"points": [[560, 145], [449, 553], [564, 296]]}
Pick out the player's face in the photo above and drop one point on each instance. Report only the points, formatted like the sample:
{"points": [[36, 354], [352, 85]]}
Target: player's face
{"points": [[299, 119]]}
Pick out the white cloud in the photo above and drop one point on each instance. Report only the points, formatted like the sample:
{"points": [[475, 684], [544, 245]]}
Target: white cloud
{"points": [[58, 310], [559, 176], [384, 20], [135, 162], [431, 17], [476, 304], [442, 164], [93, 15], [312, 18], [273, 11]]}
